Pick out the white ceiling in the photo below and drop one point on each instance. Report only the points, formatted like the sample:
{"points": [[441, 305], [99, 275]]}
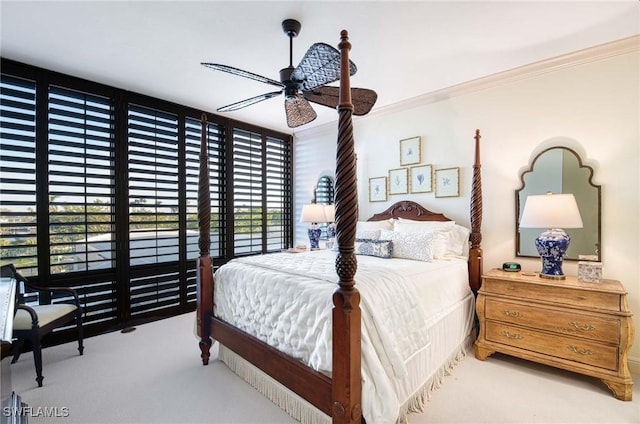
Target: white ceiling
{"points": [[402, 49]]}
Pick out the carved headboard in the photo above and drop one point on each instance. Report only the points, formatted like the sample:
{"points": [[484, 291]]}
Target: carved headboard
{"points": [[408, 210]]}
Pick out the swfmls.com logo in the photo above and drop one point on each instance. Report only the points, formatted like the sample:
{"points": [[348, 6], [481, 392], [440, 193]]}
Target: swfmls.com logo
{"points": [[38, 411]]}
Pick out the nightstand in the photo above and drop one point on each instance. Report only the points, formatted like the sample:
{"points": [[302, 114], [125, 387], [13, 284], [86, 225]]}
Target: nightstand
{"points": [[576, 326]]}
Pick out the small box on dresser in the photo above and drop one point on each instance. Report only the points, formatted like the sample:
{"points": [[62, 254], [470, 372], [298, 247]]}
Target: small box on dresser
{"points": [[574, 325]]}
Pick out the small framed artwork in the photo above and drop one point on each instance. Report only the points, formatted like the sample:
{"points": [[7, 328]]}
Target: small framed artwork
{"points": [[448, 182], [398, 183], [378, 189], [410, 151], [420, 179]]}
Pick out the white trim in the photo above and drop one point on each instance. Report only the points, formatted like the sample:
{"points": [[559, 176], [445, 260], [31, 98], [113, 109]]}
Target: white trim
{"points": [[580, 57]]}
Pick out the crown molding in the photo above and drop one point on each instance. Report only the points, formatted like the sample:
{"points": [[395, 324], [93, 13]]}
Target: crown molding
{"points": [[580, 57]]}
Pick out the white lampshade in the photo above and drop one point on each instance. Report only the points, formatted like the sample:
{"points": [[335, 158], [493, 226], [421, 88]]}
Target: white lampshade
{"points": [[551, 211], [313, 213], [330, 212]]}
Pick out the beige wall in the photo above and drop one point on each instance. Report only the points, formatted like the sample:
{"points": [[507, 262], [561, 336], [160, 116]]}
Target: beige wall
{"points": [[588, 103]]}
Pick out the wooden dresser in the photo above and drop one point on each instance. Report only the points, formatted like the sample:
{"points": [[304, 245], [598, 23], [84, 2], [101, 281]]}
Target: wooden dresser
{"points": [[580, 327]]}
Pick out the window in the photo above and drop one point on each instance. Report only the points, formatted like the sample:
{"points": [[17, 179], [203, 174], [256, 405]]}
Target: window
{"points": [[153, 186], [261, 192], [99, 191], [247, 192], [18, 208], [81, 181], [278, 189]]}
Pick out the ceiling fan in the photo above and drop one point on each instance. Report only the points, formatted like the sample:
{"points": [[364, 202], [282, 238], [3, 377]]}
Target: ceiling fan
{"points": [[305, 83]]}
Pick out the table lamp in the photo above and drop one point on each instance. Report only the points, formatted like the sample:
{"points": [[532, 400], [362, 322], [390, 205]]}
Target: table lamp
{"points": [[313, 213], [554, 212]]}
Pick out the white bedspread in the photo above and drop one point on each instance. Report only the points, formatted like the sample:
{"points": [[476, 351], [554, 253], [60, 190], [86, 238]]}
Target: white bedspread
{"points": [[285, 300]]}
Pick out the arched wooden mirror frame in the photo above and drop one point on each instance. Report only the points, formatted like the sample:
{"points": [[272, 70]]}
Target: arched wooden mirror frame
{"points": [[582, 238]]}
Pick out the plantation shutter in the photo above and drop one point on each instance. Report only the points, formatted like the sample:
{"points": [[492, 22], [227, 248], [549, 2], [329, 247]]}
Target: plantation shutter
{"points": [[18, 231], [98, 192], [153, 209], [278, 193], [81, 181], [81, 193], [248, 178]]}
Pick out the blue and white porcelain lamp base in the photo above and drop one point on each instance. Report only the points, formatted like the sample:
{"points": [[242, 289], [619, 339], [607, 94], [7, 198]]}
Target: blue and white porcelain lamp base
{"points": [[314, 237], [552, 246]]}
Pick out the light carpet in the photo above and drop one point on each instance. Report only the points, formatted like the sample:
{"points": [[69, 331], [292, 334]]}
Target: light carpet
{"points": [[154, 375]]}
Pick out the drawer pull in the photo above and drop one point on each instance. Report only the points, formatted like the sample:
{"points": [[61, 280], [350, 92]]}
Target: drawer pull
{"points": [[585, 327], [515, 314], [579, 351], [511, 288], [582, 297], [511, 336]]}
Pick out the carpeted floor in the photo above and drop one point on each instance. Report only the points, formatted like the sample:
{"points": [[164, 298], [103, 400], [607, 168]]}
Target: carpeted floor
{"points": [[154, 375]]}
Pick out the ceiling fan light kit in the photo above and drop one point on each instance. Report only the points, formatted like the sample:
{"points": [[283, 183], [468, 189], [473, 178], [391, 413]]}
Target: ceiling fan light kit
{"points": [[305, 83]]}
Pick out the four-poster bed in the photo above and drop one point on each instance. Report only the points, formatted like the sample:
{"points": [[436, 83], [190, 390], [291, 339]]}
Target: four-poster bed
{"points": [[338, 392]]}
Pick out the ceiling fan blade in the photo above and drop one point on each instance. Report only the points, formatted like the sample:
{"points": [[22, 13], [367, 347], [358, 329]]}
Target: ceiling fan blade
{"points": [[363, 99], [248, 102], [241, 73], [319, 66], [298, 110]]}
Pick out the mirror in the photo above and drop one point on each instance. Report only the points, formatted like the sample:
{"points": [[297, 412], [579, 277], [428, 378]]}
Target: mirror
{"points": [[560, 170], [324, 196], [324, 190]]}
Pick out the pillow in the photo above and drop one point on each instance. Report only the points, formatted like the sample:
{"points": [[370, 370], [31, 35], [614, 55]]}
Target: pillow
{"points": [[377, 248], [368, 234], [422, 226], [441, 228], [387, 224], [458, 241], [386, 234], [406, 245]]}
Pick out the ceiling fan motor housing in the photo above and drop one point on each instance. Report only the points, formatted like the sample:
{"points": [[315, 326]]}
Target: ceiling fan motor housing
{"points": [[291, 27], [290, 85]]}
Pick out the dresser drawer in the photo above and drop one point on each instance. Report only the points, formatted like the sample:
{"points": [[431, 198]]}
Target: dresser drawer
{"points": [[565, 322], [553, 294], [568, 348]]}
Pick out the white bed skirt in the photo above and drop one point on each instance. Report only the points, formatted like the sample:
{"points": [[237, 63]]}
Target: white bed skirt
{"points": [[451, 335]]}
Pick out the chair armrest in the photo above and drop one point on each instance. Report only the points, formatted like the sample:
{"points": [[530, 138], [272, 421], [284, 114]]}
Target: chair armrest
{"points": [[52, 290], [32, 312]]}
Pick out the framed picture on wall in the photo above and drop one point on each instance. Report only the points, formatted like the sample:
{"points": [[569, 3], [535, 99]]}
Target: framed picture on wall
{"points": [[448, 182], [410, 151], [378, 189], [420, 179], [398, 181]]}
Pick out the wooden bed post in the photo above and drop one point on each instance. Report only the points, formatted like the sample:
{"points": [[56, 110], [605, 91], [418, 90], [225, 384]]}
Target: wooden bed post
{"points": [[475, 238], [346, 396], [205, 266]]}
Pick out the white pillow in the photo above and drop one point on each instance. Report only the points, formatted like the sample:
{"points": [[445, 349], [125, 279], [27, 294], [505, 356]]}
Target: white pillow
{"points": [[406, 245], [386, 234], [368, 234], [422, 226], [458, 241], [441, 228], [386, 224]]}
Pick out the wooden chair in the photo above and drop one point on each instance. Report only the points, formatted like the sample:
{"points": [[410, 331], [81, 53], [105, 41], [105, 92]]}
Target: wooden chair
{"points": [[34, 322]]}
